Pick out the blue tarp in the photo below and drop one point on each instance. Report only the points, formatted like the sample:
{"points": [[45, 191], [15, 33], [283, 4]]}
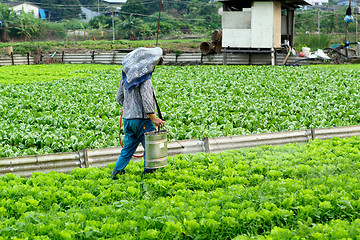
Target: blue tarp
{"points": [[42, 13]]}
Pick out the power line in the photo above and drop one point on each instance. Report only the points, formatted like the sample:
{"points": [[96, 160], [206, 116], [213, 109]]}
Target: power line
{"points": [[128, 4], [81, 5], [109, 5], [172, 18]]}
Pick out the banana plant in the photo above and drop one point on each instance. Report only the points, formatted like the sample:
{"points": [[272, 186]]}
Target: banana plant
{"points": [[8, 18], [27, 25], [130, 24]]}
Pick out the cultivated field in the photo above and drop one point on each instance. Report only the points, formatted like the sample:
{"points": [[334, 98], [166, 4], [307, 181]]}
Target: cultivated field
{"points": [[288, 192], [294, 191], [62, 108]]}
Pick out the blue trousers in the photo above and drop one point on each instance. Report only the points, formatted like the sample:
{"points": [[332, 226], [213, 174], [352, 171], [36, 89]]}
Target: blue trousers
{"points": [[134, 135]]}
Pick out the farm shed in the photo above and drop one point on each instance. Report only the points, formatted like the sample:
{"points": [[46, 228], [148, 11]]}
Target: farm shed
{"points": [[258, 27], [27, 8]]}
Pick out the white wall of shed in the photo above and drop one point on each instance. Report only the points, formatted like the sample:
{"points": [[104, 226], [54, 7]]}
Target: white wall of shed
{"points": [[262, 24], [28, 8], [259, 28], [236, 38]]}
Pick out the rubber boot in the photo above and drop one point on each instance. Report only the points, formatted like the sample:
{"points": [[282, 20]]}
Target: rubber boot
{"points": [[149, 171], [116, 172]]}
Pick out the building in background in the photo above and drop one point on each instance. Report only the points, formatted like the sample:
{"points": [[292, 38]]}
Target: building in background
{"points": [[88, 14], [258, 27], [317, 2], [115, 3], [27, 8], [110, 5]]}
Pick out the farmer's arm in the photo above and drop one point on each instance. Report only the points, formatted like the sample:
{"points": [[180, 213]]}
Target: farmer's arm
{"points": [[147, 95], [120, 94], [155, 120]]}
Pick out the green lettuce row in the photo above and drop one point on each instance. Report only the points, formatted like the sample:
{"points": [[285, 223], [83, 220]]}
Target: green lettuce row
{"points": [[283, 192]]}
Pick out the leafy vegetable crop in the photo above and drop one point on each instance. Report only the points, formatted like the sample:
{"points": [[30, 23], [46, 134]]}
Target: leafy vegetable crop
{"points": [[286, 192], [58, 108], [46, 73]]}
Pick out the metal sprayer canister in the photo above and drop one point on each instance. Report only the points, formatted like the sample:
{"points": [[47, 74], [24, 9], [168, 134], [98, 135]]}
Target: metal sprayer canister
{"points": [[156, 149]]}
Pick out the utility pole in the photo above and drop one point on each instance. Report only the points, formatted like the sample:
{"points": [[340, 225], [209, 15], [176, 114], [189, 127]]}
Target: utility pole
{"points": [[356, 26], [337, 26], [113, 25], [158, 27], [319, 21], [98, 7]]}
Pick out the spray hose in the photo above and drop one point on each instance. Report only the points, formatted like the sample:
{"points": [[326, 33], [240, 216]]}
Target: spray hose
{"points": [[121, 115]]}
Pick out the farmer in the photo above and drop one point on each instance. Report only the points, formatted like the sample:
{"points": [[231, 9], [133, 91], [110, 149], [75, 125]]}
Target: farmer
{"points": [[136, 96]]}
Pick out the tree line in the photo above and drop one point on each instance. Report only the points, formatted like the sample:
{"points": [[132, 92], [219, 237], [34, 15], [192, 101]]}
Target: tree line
{"points": [[71, 9], [137, 19], [323, 21], [60, 9], [26, 26], [321, 27]]}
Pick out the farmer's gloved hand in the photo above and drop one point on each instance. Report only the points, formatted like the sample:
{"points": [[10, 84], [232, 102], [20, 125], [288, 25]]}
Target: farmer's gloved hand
{"points": [[157, 121]]}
